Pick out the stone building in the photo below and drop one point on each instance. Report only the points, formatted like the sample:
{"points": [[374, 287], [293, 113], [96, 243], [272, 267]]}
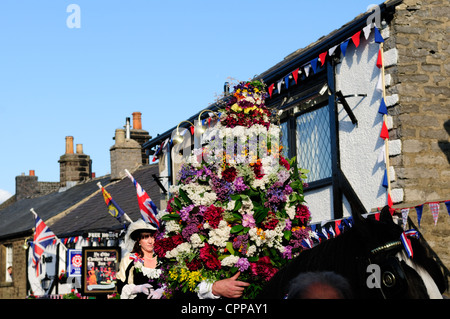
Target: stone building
{"points": [[73, 208], [362, 156]]}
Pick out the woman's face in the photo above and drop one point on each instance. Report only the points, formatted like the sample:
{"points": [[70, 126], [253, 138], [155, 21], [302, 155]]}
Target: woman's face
{"points": [[147, 241]]}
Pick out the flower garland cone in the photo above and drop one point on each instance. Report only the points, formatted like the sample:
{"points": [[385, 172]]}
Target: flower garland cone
{"points": [[234, 209]]}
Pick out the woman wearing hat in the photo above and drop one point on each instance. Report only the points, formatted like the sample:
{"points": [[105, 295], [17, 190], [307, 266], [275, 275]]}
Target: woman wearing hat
{"points": [[139, 268]]}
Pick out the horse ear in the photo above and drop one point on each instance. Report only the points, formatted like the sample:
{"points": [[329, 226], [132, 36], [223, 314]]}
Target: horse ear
{"points": [[385, 215]]}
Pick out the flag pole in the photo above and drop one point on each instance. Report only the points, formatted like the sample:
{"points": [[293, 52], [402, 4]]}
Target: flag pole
{"points": [[124, 214]]}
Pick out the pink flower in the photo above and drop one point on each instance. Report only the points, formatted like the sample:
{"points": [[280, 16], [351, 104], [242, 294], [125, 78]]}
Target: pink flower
{"points": [[248, 221]]}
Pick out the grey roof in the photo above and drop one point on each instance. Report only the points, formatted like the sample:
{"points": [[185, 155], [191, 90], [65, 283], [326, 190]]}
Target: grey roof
{"points": [[90, 214]]}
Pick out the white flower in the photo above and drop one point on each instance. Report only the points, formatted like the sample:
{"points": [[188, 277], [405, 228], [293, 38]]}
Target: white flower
{"points": [[229, 261], [196, 241], [172, 226], [251, 251], [290, 210], [200, 194], [179, 251], [173, 189], [230, 205], [220, 235]]}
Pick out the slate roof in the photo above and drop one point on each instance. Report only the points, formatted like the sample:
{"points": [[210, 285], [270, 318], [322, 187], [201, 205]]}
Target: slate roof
{"points": [[83, 206], [92, 215]]}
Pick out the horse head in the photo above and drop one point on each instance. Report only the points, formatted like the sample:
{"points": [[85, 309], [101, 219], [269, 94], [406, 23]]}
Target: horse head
{"points": [[372, 257], [402, 265]]}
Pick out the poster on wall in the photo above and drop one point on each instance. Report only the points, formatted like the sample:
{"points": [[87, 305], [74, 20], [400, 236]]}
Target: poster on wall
{"points": [[74, 262], [99, 268]]}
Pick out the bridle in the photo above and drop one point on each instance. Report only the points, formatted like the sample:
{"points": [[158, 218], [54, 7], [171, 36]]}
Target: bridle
{"points": [[392, 276]]}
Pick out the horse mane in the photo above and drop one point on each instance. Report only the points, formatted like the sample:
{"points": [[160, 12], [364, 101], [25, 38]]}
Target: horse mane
{"points": [[349, 255]]}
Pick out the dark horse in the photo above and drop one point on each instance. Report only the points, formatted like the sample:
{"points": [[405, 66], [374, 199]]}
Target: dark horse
{"points": [[368, 242]]}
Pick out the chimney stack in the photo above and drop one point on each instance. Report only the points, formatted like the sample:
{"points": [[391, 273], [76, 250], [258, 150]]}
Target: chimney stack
{"points": [[125, 154], [74, 167], [27, 186], [140, 135]]}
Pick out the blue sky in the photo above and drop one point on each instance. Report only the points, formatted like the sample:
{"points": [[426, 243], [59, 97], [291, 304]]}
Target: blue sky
{"points": [[166, 59]]}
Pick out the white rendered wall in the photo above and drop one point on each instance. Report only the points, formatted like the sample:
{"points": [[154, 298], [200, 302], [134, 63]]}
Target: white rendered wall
{"points": [[320, 204], [360, 145]]}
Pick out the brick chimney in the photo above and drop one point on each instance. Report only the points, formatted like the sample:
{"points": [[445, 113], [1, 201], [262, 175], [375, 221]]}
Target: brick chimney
{"points": [[27, 186], [74, 167], [140, 135]]}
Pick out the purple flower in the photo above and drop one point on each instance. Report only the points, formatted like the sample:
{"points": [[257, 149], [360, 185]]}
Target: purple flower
{"points": [[287, 253], [240, 243], [184, 213], [288, 224], [239, 185], [242, 264], [189, 230], [222, 188]]}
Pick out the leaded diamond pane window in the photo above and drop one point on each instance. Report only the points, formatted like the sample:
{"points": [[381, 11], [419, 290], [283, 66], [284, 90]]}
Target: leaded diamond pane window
{"points": [[313, 143], [285, 139]]}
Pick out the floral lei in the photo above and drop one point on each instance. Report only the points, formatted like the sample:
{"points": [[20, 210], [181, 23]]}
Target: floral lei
{"points": [[226, 217], [151, 273]]}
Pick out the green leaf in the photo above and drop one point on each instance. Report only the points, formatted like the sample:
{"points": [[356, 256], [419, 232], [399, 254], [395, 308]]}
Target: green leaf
{"points": [[235, 196], [260, 215], [237, 206], [172, 216], [230, 247], [236, 229], [287, 234], [177, 203], [185, 197]]}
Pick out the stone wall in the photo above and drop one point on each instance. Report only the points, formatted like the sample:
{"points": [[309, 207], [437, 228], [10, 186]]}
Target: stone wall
{"points": [[421, 113], [17, 288]]}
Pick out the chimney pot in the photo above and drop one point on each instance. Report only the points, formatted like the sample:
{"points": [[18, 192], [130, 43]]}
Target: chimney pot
{"points": [[32, 172], [120, 136], [79, 148], [69, 144], [137, 124]]}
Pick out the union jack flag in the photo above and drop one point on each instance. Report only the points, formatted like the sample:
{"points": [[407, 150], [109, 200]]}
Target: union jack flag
{"points": [[43, 237], [147, 207]]}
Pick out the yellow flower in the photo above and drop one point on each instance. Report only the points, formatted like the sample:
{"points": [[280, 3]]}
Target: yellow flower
{"points": [[236, 108], [183, 274], [173, 274], [247, 110], [194, 278]]}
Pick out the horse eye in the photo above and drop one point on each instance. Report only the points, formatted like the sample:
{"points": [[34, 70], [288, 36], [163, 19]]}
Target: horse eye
{"points": [[388, 279]]}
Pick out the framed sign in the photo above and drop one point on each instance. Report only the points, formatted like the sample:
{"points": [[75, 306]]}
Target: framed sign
{"points": [[74, 262], [99, 268]]}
